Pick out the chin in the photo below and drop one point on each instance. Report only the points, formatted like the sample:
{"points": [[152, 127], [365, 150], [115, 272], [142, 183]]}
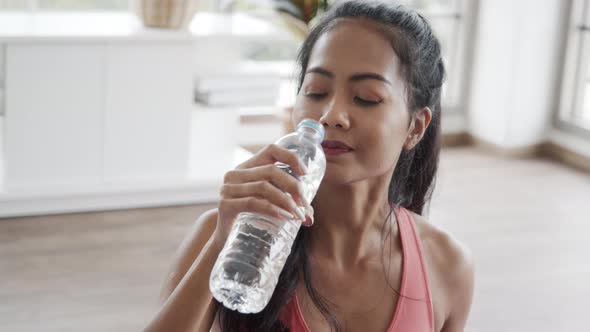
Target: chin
{"points": [[338, 175]]}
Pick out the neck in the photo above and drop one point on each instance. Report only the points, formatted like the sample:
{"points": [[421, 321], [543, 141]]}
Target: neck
{"points": [[349, 222]]}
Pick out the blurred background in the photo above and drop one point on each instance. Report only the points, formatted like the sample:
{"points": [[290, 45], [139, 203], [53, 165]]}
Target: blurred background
{"points": [[118, 119]]}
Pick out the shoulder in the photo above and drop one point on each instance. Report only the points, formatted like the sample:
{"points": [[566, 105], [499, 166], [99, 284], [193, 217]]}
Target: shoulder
{"points": [[207, 219], [201, 231], [450, 263], [199, 234], [451, 256]]}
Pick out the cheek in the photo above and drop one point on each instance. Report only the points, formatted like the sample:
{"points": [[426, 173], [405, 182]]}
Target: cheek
{"points": [[383, 142]]}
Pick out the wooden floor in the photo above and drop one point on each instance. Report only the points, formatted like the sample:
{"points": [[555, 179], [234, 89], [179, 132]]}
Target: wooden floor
{"points": [[526, 221]]}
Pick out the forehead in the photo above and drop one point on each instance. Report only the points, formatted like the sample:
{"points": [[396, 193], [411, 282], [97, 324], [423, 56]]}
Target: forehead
{"points": [[354, 45]]}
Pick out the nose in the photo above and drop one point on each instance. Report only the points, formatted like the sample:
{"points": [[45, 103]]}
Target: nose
{"points": [[335, 115]]}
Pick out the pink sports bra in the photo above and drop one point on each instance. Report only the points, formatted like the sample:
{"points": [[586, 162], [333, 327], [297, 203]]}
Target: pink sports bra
{"points": [[413, 310]]}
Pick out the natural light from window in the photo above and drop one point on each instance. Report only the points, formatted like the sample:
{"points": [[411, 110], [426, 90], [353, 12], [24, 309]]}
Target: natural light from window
{"points": [[447, 19], [575, 97]]}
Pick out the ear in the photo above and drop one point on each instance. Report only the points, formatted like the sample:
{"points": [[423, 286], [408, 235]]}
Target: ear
{"points": [[418, 125]]}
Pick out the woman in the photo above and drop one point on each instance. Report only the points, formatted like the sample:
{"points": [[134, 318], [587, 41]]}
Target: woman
{"points": [[371, 73]]}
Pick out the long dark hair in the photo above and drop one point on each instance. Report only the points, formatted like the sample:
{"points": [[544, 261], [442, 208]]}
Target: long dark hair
{"points": [[413, 179]]}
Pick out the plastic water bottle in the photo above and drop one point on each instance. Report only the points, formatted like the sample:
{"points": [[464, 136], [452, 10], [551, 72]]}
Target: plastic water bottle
{"points": [[247, 270]]}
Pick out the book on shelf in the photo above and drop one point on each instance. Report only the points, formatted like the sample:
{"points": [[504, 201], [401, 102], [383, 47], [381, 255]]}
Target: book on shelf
{"points": [[247, 74], [247, 111], [229, 81], [238, 97]]}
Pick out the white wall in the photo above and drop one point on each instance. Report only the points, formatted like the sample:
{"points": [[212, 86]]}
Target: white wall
{"points": [[517, 60], [2, 79]]}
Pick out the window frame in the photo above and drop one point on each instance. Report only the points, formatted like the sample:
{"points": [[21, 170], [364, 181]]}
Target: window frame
{"points": [[575, 70], [463, 16]]}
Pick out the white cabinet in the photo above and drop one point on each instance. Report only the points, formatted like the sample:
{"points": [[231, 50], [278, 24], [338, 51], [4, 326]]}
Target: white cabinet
{"points": [[147, 111], [53, 116], [82, 115], [108, 125]]}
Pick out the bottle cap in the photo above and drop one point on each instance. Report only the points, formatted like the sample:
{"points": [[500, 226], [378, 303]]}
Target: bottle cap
{"points": [[313, 124]]}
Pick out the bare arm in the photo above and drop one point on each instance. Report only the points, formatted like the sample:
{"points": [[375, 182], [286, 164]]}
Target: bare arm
{"points": [[461, 286], [188, 251], [451, 270], [256, 186], [187, 301]]}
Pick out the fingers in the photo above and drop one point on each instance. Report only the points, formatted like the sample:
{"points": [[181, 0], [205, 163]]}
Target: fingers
{"points": [[271, 173], [259, 186], [264, 190], [234, 206], [273, 153]]}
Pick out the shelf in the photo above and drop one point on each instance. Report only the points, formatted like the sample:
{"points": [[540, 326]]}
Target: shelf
{"points": [[53, 200], [116, 26]]}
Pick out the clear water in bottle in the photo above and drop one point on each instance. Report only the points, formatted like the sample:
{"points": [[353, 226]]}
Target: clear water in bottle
{"points": [[248, 267]]}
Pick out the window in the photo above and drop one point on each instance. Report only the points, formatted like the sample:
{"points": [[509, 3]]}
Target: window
{"points": [[574, 111], [448, 18], [80, 5]]}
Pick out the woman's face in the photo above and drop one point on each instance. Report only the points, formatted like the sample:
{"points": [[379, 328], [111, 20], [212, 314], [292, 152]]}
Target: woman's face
{"points": [[353, 86]]}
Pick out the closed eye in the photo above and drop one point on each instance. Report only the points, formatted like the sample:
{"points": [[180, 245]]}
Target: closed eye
{"points": [[365, 102], [315, 96]]}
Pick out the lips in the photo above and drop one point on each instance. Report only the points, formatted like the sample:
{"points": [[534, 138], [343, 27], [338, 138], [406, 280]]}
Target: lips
{"points": [[335, 147]]}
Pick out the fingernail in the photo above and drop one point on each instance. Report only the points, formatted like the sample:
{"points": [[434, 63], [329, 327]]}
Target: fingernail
{"points": [[300, 214], [286, 214], [308, 222], [305, 201]]}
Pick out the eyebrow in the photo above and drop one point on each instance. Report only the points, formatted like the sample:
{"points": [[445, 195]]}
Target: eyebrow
{"points": [[354, 78]]}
